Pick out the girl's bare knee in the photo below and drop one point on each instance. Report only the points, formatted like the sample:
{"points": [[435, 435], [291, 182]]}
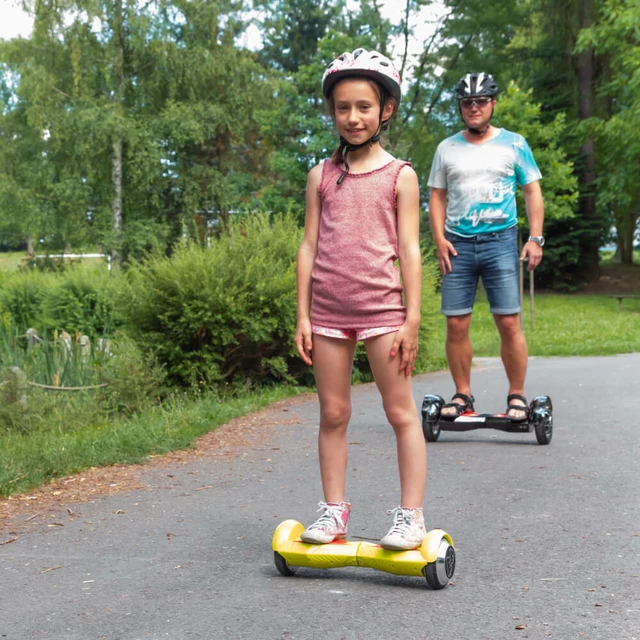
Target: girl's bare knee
{"points": [[335, 416], [401, 418]]}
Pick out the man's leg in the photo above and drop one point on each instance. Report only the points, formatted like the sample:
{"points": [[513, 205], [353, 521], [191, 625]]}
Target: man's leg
{"points": [[514, 353], [459, 355], [458, 295], [501, 279]]}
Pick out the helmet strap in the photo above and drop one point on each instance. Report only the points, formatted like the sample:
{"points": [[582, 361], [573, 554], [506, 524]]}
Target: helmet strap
{"points": [[478, 132]]}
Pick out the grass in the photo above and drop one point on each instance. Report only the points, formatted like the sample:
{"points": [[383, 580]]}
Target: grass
{"points": [[607, 257], [564, 325], [11, 260], [32, 459]]}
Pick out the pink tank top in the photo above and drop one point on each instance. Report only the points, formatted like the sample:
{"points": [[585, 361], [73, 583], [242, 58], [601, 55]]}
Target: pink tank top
{"points": [[354, 282]]}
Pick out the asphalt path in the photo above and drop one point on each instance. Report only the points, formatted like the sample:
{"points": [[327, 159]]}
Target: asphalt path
{"points": [[547, 537]]}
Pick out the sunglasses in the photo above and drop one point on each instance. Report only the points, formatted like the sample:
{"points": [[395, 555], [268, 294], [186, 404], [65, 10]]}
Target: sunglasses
{"points": [[467, 103]]}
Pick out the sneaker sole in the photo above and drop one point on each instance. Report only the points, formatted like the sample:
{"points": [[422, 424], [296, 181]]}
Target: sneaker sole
{"points": [[396, 547], [312, 541]]}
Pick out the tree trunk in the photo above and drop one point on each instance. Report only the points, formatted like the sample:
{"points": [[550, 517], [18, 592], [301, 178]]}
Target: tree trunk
{"points": [[625, 232], [30, 250], [116, 201], [591, 241], [116, 161]]}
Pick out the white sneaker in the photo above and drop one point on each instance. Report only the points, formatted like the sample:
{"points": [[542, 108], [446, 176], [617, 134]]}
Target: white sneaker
{"points": [[408, 530], [330, 525]]}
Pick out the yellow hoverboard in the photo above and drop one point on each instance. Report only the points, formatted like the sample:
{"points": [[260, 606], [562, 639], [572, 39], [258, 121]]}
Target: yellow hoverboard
{"points": [[435, 559]]}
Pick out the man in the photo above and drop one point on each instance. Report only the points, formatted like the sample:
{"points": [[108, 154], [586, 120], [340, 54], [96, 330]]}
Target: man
{"points": [[474, 221]]}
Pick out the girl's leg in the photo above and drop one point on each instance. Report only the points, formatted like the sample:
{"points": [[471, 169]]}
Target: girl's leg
{"points": [[401, 411], [332, 365]]}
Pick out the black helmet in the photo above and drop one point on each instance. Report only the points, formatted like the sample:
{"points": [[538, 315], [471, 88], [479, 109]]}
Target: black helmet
{"points": [[473, 85]]}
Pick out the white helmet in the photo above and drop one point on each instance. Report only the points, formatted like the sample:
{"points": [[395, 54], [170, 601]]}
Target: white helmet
{"points": [[361, 62]]}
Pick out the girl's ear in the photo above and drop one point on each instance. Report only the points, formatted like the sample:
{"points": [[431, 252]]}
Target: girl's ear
{"points": [[388, 110]]}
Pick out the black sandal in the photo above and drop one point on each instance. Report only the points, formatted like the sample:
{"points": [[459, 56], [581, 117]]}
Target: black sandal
{"points": [[460, 408], [517, 407]]}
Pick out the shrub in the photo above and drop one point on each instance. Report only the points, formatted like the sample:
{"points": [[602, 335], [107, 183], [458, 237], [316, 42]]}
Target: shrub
{"points": [[224, 314], [22, 295], [79, 299], [431, 348], [135, 379], [82, 300]]}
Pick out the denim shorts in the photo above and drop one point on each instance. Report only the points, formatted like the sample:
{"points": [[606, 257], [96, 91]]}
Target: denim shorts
{"points": [[492, 257]]}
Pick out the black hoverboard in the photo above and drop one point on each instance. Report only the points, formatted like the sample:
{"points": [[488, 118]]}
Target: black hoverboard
{"points": [[539, 419]]}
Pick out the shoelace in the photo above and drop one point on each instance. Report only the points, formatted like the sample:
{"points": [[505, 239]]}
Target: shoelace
{"points": [[401, 521], [330, 516]]}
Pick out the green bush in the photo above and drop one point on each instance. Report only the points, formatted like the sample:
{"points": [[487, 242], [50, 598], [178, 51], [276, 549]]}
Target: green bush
{"points": [[224, 314], [82, 300], [136, 381], [22, 295], [77, 299], [431, 348]]}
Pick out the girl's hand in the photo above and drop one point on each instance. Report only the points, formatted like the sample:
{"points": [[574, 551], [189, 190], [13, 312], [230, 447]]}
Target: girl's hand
{"points": [[303, 340], [406, 345]]}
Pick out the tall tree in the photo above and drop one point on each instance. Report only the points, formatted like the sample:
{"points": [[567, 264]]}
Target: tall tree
{"points": [[586, 81], [291, 30], [615, 38], [533, 43], [143, 116]]}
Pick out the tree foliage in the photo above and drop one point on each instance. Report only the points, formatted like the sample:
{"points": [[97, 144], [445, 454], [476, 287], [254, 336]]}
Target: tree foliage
{"points": [[135, 125], [159, 91], [615, 37]]}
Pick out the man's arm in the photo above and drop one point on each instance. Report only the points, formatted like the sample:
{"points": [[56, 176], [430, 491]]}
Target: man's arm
{"points": [[535, 213], [437, 214]]}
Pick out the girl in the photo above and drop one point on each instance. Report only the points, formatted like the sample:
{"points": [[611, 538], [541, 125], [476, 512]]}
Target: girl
{"points": [[362, 213]]}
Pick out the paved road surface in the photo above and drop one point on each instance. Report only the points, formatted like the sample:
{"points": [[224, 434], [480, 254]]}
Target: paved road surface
{"points": [[547, 537]]}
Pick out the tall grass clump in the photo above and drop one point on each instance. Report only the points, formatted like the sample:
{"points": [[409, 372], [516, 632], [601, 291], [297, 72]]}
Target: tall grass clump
{"points": [[224, 314], [65, 382]]}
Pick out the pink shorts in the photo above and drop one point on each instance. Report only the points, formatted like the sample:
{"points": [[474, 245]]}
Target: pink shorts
{"points": [[352, 334]]}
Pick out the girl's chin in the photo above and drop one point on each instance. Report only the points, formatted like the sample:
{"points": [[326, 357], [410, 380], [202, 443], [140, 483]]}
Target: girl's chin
{"points": [[355, 138]]}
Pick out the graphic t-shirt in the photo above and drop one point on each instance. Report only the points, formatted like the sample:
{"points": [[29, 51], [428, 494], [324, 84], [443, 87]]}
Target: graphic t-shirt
{"points": [[481, 180]]}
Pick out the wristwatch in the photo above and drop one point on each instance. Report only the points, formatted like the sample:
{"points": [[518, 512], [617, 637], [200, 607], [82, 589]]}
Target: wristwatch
{"points": [[539, 240]]}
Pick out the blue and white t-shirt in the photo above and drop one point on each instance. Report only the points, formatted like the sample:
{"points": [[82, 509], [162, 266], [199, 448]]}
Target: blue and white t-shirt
{"points": [[481, 180]]}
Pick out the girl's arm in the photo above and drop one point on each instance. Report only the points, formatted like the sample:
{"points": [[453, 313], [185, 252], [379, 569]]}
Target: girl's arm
{"points": [[408, 204], [306, 258]]}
